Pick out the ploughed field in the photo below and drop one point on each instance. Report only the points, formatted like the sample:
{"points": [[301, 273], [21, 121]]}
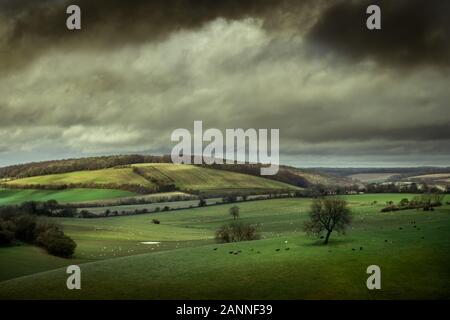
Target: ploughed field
{"points": [[131, 257]]}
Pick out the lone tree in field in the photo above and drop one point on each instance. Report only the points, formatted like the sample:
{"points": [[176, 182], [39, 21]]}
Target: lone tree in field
{"points": [[328, 215], [234, 212]]}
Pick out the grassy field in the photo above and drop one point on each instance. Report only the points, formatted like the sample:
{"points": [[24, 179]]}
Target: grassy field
{"points": [[152, 197], [433, 178], [16, 196], [372, 177], [411, 247], [106, 176], [189, 177], [184, 177], [151, 207], [24, 259]]}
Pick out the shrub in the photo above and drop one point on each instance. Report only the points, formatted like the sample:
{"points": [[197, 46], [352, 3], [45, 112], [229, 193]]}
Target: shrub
{"points": [[6, 237], [43, 227], [237, 231], [57, 243], [87, 214], [202, 203], [25, 225], [26, 228], [234, 212], [7, 225], [230, 198]]}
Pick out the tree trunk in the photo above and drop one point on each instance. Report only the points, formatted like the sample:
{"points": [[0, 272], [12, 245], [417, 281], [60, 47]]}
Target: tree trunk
{"points": [[328, 236]]}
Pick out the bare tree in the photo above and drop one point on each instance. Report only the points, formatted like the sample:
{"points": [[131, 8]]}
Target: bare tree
{"points": [[234, 212], [328, 215]]}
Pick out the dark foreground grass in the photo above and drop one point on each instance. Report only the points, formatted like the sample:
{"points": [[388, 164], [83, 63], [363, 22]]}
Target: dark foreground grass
{"points": [[24, 259], [411, 247]]}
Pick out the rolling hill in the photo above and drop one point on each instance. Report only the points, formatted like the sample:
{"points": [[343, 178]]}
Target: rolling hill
{"points": [[435, 178], [149, 178], [113, 178], [104, 178], [303, 178], [17, 196], [190, 177], [33, 169], [294, 176]]}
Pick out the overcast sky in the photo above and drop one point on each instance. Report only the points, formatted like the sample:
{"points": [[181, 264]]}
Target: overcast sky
{"points": [[340, 94]]}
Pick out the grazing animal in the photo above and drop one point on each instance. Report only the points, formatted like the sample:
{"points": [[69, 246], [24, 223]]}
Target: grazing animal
{"points": [[215, 249], [231, 252], [286, 249], [277, 250]]}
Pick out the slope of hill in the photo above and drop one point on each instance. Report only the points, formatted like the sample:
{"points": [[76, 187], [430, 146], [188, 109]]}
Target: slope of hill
{"points": [[397, 173], [297, 177], [71, 165], [190, 177], [304, 178], [372, 177], [150, 178], [114, 178], [432, 178], [16, 196]]}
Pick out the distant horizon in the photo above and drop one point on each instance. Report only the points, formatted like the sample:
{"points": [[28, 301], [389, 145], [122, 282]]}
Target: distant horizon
{"points": [[310, 164]]}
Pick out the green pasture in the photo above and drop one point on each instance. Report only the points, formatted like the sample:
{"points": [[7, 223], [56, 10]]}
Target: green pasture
{"points": [[190, 177], [411, 247], [24, 259], [17, 196], [184, 177], [118, 176]]}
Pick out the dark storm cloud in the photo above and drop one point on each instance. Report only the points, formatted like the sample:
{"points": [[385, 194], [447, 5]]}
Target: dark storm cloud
{"points": [[31, 27], [140, 69], [414, 32]]}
